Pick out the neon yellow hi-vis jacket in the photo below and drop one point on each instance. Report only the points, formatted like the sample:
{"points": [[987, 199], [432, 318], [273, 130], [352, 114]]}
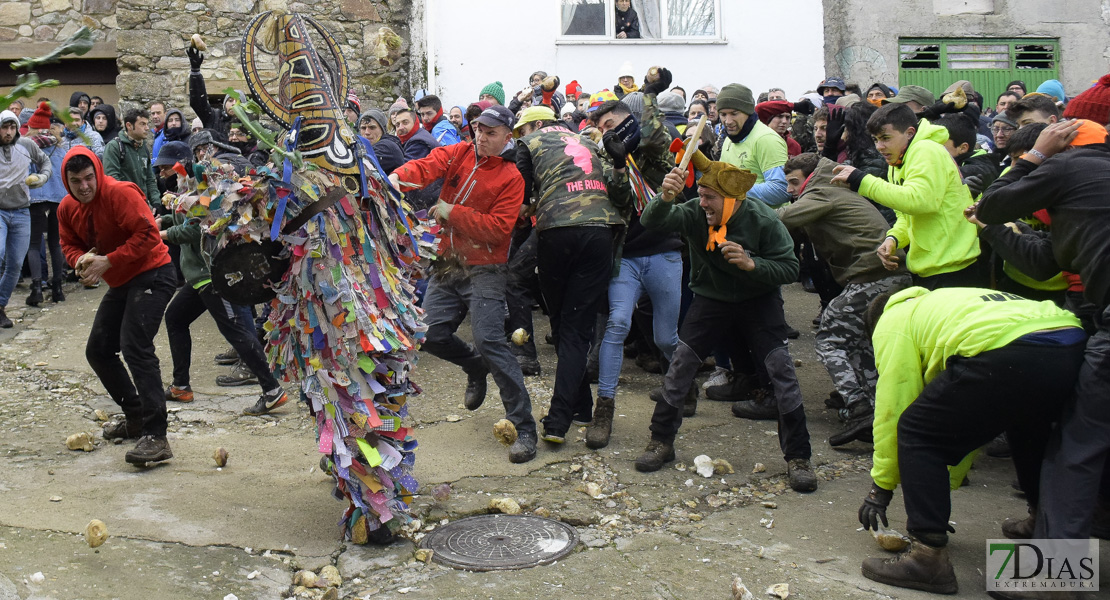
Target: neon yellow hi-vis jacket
{"points": [[929, 197], [919, 331]]}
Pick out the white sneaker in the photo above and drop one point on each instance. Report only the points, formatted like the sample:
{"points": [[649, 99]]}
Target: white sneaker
{"points": [[720, 376]]}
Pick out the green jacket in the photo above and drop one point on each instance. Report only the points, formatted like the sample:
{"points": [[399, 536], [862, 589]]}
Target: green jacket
{"points": [[186, 233], [754, 226], [125, 160], [929, 197], [917, 334]]}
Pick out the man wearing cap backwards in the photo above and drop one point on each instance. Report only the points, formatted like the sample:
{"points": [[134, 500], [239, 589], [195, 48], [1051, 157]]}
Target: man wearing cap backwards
{"points": [[16, 157], [108, 232], [753, 146], [575, 224], [127, 158], [740, 255], [479, 204], [928, 195]]}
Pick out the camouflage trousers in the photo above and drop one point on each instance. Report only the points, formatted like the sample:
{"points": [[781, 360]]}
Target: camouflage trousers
{"points": [[843, 343]]}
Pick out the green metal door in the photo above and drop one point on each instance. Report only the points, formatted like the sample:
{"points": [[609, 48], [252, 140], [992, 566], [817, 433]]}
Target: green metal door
{"points": [[988, 63]]}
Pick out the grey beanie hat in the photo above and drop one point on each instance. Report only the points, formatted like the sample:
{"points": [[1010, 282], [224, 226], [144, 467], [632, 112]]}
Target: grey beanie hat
{"points": [[670, 102], [375, 114], [635, 103]]}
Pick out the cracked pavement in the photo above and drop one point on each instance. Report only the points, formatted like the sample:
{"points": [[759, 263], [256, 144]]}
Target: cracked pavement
{"points": [[186, 529]]}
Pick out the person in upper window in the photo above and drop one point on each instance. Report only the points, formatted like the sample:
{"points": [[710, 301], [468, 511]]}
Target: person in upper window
{"points": [[628, 22]]}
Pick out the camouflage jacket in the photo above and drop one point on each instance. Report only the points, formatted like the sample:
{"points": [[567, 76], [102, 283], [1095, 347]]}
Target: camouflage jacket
{"points": [[561, 169]]}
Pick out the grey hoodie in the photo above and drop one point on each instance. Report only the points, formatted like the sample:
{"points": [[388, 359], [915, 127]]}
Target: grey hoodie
{"points": [[15, 165]]}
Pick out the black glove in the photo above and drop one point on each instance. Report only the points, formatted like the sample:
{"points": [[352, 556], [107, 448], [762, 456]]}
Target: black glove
{"points": [[615, 147], [874, 508], [661, 85], [833, 133], [804, 107], [932, 113], [975, 184], [195, 58]]}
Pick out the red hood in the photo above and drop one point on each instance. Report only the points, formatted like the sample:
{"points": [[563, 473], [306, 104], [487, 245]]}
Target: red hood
{"points": [[97, 166]]}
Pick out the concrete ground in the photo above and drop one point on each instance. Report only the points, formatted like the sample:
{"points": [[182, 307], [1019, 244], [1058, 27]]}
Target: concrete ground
{"points": [[186, 529]]}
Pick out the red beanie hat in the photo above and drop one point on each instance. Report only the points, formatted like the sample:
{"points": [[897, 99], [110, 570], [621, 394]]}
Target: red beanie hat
{"points": [[573, 89], [41, 118], [1093, 104], [767, 110]]}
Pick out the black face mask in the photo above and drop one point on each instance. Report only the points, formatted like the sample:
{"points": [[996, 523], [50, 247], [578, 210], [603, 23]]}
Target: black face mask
{"points": [[175, 134], [629, 132], [244, 148]]}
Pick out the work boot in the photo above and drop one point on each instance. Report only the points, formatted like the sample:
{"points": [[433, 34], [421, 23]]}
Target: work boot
{"points": [[267, 402], [122, 429], [240, 375], [56, 293], [690, 402], [528, 365], [475, 393], [149, 449], [523, 449], [655, 456], [179, 394], [597, 436], [737, 388], [761, 406], [5, 322], [855, 410], [922, 567], [1020, 529], [35, 297], [858, 426], [999, 447], [229, 357], [801, 476]]}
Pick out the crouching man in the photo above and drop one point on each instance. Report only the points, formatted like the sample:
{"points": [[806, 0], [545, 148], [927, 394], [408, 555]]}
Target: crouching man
{"points": [[957, 367], [740, 255]]}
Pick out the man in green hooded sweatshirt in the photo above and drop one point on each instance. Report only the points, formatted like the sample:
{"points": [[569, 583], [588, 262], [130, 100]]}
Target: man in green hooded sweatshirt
{"points": [[926, 191]]}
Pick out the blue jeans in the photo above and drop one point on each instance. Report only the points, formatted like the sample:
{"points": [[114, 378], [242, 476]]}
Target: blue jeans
{"points": [[15, 237], [660, 277]]}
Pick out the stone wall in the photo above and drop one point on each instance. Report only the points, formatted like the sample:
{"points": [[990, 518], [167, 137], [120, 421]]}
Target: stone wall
{"points": [[151, 44], [24, 23]]}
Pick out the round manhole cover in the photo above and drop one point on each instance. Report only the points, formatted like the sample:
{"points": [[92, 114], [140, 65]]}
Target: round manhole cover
{"points": [[500, 542]]}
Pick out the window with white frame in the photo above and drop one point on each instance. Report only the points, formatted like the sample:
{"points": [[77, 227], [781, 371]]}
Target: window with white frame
{"points": [[594, 20]]}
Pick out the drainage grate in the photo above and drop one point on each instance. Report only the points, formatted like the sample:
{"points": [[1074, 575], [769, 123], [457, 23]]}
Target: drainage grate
{"points": [[500, 542]]}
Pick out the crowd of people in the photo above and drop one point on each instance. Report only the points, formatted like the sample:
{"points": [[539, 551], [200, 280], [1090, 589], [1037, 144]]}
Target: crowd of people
{"points": [[956, 248]]}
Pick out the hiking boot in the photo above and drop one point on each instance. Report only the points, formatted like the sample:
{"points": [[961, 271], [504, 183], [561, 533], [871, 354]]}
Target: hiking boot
{"points": [[240, 375], [737, 388], [1019, 529], [921, 567], [999, 447], [35, 297], [761, 406], [179, 394], [856, 429], [475, 393], [5, 322], [267, 402], [56, 293], [801, 476], [122, 429], [229, 357], [690, 402], [528, 365], [720, 376], [523, 449], [655, 456], [149, 449], [650, 363], [597, 436]]}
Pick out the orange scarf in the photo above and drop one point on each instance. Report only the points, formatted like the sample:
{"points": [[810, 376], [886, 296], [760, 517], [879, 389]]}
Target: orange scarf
{"points": [[717, 234]]}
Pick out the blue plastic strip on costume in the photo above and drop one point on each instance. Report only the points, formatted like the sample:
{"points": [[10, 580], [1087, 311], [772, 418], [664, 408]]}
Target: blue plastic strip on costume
{"points": [[396, 194], [286, 176]]}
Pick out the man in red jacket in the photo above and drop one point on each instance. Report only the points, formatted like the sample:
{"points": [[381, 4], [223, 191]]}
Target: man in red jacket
{"points": [[108, 233], [481, 199]]}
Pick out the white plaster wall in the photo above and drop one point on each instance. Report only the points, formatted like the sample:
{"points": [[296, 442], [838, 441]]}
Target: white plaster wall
{"points": [[476, 42]]}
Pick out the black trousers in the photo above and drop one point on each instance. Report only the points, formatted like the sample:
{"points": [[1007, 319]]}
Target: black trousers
{"points": [[1019, 389], [44, 222], [126, 322], [761, 324], [575, 265], [234, 322], [519, 291], [969, 276]]}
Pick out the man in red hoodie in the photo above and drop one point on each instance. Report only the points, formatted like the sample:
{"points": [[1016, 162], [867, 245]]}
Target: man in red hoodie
{"points": [[108, 233], [481, 199]]}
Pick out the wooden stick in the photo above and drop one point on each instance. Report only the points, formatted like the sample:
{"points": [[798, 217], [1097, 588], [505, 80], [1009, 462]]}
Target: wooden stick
{"points": [[692, 143]]}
